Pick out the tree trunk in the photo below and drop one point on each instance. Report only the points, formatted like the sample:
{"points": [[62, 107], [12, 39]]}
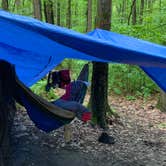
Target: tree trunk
{"points": [[48, 11], [58, 13], [37, 9], [162, 101], [89, 16], [150, 5], [99, 96], [131, 11], [5, 4], [141, 11], [7, 110], [134, 14], [123, 19], [160, 4], [68, 15]]}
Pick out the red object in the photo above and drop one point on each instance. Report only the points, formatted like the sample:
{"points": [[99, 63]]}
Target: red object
{"points": [[86, 116], [66, 96], [64, 77]]}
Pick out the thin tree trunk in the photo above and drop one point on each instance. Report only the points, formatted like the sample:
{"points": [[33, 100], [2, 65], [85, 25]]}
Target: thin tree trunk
{"points": [[160, 5], [89, 16], [37, 9], [48, 11], [58, 13], [99, 96], [5, 4], [133, 3], [120, 13], [123, 11], [141, 11], [150, 5], [134, 13], [68, 15], [162, 101]]}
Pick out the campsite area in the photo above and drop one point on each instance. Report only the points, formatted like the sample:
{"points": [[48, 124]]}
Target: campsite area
{"points": [[139, 133], [83, 83]]}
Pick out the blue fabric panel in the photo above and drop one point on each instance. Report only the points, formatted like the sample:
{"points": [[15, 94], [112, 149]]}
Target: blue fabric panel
{"points": [[36, 47], [157, 74], [33, 54], [42, 120], [128, 50]]}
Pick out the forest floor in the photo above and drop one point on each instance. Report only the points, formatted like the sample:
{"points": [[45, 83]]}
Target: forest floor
{"points": [[140, 135]]}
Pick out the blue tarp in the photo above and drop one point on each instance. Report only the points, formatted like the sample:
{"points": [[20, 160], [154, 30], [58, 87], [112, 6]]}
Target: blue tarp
{"points": [[36, 47], [157, 74]]}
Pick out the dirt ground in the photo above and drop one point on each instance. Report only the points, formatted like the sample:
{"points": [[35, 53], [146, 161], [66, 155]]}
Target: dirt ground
{"points": [[140, 136]]}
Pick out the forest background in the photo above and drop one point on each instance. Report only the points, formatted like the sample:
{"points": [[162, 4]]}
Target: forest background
{"points": [[144, 19]]}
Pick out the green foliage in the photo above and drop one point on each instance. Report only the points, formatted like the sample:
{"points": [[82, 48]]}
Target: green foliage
{"points": [[39, 89], [162, 126], [130, 97], [130, 80]]}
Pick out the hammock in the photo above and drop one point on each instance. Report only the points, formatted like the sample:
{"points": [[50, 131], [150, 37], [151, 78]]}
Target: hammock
{"points": [[44, 114]]}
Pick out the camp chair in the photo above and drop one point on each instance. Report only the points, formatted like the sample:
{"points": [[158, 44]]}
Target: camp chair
{"points": [[76, 91]]}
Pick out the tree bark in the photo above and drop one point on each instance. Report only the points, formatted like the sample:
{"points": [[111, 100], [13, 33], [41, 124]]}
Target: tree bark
{"points": [[131, 10], [123, 19], [89, 16], [5, 4], [68, 15], [162, 101], [99, 96], [58, 13], [141, 11], [134, 13], [7, 110], [37, 9], [48, 11]]}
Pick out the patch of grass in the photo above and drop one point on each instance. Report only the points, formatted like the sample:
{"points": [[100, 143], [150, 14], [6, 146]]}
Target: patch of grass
{"points": [[130, 97], [162, 126]]}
